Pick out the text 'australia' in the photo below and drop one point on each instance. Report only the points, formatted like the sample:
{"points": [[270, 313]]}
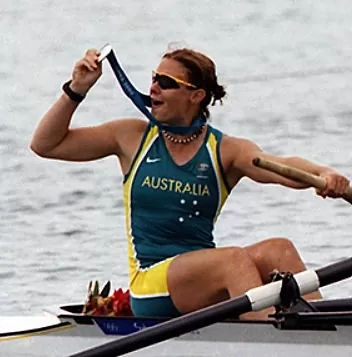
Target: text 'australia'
{"points": [[167, 184]]}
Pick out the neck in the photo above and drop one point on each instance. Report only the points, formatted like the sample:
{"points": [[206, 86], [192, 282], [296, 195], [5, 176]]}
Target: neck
{"points": [[181, 121], [193, 126], [183, 139], [186, 120]]}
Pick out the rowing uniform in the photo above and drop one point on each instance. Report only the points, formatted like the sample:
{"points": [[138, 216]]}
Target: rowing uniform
{"points": [[170, 209]]}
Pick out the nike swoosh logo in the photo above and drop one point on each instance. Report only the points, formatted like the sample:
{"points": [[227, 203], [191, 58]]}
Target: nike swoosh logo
{"points": [[151, 161]]}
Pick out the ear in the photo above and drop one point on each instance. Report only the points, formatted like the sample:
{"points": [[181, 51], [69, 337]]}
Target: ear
{"points": [[197, 96]]}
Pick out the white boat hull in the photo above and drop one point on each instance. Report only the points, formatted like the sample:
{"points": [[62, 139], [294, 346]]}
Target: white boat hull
{"points": [[296, 345], [50, 336]]}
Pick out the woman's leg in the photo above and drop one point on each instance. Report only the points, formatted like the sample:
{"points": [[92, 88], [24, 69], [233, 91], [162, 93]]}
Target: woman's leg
{"points": [[202, 278], [279, 254]]}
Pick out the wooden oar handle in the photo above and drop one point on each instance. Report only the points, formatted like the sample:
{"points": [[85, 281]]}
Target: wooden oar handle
{"points": [[297, 175]]}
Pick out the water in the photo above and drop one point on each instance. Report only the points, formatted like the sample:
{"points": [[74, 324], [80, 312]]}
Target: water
{"points": [[286, 66]]}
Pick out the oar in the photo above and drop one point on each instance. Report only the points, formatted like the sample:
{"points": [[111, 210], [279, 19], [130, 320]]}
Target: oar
{"points": [[297, 175], [254, 300]]}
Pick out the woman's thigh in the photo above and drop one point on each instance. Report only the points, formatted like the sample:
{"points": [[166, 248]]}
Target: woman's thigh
{"points": [[201, 278]]}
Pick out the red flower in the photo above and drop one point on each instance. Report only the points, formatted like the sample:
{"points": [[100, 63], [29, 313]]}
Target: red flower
{"points": [[117, 304]]}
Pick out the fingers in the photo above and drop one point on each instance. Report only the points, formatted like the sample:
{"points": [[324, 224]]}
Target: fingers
{"points": [[341, 185], [86, 72], [336, 185], [90, 60], [88, 64]]}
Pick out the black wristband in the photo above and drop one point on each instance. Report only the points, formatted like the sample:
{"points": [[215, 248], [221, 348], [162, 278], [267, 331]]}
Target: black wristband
{"points": [[76, 97]]}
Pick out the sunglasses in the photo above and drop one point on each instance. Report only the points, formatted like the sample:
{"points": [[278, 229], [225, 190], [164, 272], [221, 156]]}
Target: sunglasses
{"points": [[166, 81]]}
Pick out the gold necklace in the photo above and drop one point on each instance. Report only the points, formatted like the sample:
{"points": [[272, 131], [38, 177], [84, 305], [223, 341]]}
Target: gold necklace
{"points": [[194, 136]]}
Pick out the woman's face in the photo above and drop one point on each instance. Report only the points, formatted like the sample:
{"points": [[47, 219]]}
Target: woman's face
{"points": [[171, 105]]}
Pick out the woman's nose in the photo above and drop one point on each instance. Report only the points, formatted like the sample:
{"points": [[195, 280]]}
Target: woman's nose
{"points": [[154, 87]]}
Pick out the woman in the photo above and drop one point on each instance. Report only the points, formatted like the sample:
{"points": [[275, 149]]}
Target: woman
{"points": [[175, 186]]}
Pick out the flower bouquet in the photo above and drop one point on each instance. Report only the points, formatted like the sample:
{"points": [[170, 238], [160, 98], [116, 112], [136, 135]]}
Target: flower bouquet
{"points": [[101, 304]]}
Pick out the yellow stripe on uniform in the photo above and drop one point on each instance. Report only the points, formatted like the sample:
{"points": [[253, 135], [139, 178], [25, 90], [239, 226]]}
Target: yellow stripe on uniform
{"points": [[127, 188], [223, 191]]}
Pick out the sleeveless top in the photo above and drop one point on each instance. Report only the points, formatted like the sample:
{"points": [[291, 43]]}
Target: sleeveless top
{"points": [[171, 209]]}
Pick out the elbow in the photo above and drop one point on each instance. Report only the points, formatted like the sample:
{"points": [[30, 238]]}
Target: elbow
{"points": [[38, 150]]}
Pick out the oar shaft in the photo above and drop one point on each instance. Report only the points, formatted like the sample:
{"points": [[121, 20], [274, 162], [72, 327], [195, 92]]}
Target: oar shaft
{"points": [[297, 175], [335, 272]]}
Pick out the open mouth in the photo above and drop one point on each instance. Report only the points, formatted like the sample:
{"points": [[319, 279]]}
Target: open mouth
{"points": [[156, 103]]}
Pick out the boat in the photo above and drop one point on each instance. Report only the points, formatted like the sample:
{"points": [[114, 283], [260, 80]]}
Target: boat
{"points": [[321, 327], [67, 331]]}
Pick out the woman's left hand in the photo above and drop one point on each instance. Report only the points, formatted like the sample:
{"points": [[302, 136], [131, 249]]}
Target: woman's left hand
{"points": [[336, 184]]}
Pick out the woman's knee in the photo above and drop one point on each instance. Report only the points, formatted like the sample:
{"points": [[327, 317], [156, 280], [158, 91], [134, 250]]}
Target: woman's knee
{"points": [[271, 247], [280, 244], [275, 253]]}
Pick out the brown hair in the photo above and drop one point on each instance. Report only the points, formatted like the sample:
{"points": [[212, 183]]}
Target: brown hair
{"points": [[202, 73]]}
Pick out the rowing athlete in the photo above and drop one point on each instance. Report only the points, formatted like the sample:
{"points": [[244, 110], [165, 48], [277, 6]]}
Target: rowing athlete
{"points": [[178, 172]]}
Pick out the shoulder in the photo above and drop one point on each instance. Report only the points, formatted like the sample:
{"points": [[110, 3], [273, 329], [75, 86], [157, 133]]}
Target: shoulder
{"points": [[228, 142], [236, 153], [236, 145], [127, 128], [127, 133]]}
